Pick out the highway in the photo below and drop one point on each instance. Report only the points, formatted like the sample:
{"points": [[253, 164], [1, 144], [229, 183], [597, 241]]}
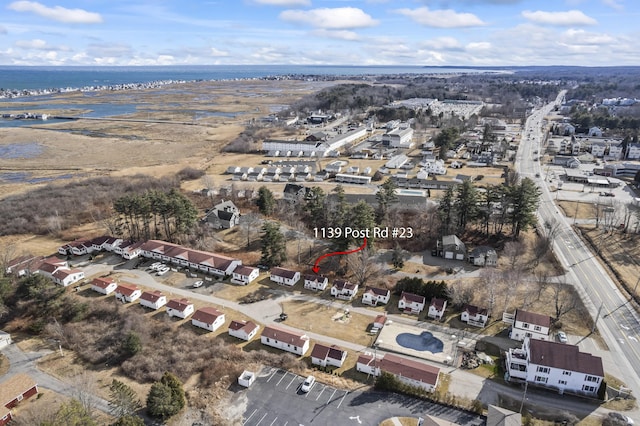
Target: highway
{"points": [[617, 321]]}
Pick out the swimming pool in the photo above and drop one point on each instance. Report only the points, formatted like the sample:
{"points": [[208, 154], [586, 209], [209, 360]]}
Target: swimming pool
{"points": [[424, 341]]}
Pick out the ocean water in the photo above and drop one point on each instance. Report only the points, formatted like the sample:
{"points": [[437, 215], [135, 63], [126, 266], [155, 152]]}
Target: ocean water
{"points": [[34, 78]]}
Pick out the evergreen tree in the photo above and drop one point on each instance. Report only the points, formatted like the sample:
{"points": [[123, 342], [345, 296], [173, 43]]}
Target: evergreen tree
{"points": [[274, 248], [266, 201], [446, 211], [466, 204], [386, 195], [397, 257], [71, 413], [123, 399], [315, 208], [523, 200], [129, 421], [166, 397]]}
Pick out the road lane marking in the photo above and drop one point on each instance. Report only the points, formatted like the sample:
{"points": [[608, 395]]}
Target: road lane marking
{"points": [[294, 377], [331, 397], [274, 420], [272, 374], [343, 397], [281, 378], [260, 421], [320, 394]]}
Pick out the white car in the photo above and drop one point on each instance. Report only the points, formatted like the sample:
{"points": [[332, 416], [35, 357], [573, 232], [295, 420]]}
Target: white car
{"points": [[308, 384], [562, 337], [198, 284], [163, 271], [156, 266]]}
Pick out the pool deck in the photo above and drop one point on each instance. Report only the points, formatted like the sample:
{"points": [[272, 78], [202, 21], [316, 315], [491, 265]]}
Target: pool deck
{"points": [[387, 341]]}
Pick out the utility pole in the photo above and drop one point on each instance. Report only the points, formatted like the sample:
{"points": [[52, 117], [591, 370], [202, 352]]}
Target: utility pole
{"points": [[524, 396], [595, 321]]}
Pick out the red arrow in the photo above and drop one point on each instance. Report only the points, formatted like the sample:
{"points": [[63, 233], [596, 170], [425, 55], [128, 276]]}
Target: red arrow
{"points": [[316, 268]]}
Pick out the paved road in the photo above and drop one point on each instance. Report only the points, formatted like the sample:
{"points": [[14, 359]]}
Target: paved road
{"points": [[618, 322], [25, 362]]}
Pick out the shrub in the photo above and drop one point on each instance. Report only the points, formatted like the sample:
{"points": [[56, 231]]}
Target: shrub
{"points": [[189, 173]]}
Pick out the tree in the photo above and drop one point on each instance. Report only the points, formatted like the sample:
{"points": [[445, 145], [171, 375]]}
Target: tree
{"points": [[265, 202], [445, 140], [363, 266], [397, 257], [274, 248], [523, 200], [166, 397], [386, 195], [131, 344], [459, 294], [446, 211], [564, 299], [315, 208], [71, 413], [123, 399], [513, 251], [129, 420], [466, 204]]}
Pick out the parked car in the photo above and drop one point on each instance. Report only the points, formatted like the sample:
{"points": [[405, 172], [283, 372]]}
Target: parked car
{"points": [[283, 316], [198, 284], [163, 271], [562, 337], [155, 266], [308, 384]]}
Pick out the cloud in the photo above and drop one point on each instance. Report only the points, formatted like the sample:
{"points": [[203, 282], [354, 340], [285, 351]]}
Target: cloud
{"points": [[614, 4], [217, 52], [38, 44], [479, 45], [286, 3], [442, 43], [339, 18], [582, 37], [336, 34], [444, 18], [3, 30], [568, 18], [57, 13]]}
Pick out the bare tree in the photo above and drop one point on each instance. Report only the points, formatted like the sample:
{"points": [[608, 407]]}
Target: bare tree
{"points": [[564, 299], [7, 254], [250, 224], [459, 293], [490, 279], [542, 278], [84, 389], [514, 250], [209, 184], [363, 266]]}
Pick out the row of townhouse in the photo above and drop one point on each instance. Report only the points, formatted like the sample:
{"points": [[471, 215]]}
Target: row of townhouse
{"points": [[340, 289], [208, 318], [59, 271], [408, 371]]}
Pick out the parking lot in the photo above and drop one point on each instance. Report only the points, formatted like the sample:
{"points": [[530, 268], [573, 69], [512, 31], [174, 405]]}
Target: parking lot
{"points": [[275, 398]]}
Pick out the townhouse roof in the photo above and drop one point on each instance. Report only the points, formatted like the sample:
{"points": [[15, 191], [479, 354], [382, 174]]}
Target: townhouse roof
{"points": [[100, 240], [179, 304], [410, 297], [102, 282], [285, 336], [246, 326], [533, 318], [126, 289], [474, 310], [244, 270], [14, 386], [63, 273], [151, 296], [22, 260], [380, 319], [377, 291], [284, 273], [408, 368], [313, 277], [212, 260], [564, 357], [207, 315], [323, 352], [438, 303], [344, 285]]}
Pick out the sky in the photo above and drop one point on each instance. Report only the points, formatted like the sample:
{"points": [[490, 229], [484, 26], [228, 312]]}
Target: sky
{"points": [[320, 32]]}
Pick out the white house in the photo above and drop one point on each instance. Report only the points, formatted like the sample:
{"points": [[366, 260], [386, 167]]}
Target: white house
{"points": [[66, 277], [556, 366], [285, 340], [244, 275], [284, 276], [411, 372], [437, 308], [315, 282], [633, 151], [598, 149], [180, 308], [127, 293], [23, 265], [344, 289], [5, 339], [483, 256], [615, 151], [208, 318], [374, 296], [328, 355], [474, 315], [104, 285], [529, 324], [244, 330], [411, 303], [224, 215], [131, 250], [398, 138], [194, 259], [153, 299]]}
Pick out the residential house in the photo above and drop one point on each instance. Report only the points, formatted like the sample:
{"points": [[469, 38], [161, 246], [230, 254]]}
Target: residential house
{"points": [[180, 308], [13, 391], [104, 285], [615, 151], [556, 366], [598, 149], [244, 275], [413, 373], [98, 243], [79, 248], [595, 131], [328, 355], [474, 315], [294, 192], [411, 303], [285, 340], [131, 250], [208, 318], [450, 247], [483, 256], [633, 151], [244, 330], [194, 259], [529, 324], [284, 276], [66, 277], [224, 215], [5, 339], [127, 293], [153, 299], [498, 416], [315, 282], [50, 265], [437, 308], [378, 323], [23, 265], [374, 296], [344, 289], [566, 161]]}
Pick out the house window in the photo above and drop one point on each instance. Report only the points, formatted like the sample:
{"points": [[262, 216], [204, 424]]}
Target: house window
{"points": [[588, 388], [562, 382], [540, 379], [537, 328], [542, 369], [566, 373], [267, 340], [19, 398], [592, 379]]}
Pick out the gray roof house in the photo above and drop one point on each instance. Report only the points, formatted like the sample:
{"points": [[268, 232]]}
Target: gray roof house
{"points": [[483, 256], [224, 215], [450, 247]]}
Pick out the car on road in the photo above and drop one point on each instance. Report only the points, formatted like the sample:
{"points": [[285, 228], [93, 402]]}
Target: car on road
{"points": [[307, 384], [562, 337], [163, 271], [283, 316], [537, 174], [198, 284]]}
